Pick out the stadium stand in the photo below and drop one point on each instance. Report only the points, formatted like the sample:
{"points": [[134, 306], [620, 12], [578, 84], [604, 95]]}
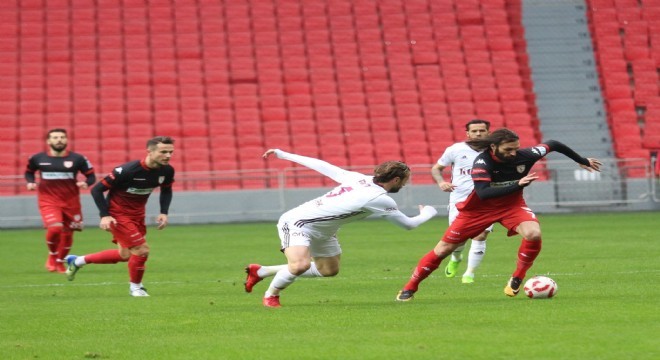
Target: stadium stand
{"points": [[265, 73], [626, 38]]}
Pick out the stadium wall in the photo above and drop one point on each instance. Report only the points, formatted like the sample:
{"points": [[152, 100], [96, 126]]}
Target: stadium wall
{"points": [[267, 205]]}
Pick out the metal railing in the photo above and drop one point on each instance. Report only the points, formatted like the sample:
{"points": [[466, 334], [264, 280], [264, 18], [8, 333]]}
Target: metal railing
{"points": [[621, 181]]}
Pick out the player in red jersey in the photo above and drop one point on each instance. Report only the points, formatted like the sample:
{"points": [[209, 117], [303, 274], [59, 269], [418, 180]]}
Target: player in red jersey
{"points": [[123, 211], [499, 174], [59, 194]]}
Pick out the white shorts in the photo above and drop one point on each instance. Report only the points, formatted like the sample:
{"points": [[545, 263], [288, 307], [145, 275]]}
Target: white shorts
{"points": [[453, 213], [319, 245]]}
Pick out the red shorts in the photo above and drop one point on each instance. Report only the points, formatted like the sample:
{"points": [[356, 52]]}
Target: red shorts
{"points": [[128, 233], [470, 223], [70, 217]]}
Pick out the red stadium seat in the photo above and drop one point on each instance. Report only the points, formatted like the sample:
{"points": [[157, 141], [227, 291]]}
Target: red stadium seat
{"points": [[290, 74]]}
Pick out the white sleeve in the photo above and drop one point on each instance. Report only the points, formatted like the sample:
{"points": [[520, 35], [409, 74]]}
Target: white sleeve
{"points": [[447, 158], [384, 206], [334, 172]]}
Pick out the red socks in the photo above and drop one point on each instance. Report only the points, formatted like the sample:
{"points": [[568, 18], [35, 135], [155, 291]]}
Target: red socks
{"points": [[104, 257], [53, 238], [527, 252], [136, 268], [135, 263], [66, 240], [424, 268]]}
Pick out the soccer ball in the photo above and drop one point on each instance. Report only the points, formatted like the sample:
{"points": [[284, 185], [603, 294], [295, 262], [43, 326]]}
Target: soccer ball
{"points": [[540, 287]]}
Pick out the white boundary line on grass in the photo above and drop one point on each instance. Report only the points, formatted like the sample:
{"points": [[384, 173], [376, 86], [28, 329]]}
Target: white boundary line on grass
{"points": [[234, 280]]}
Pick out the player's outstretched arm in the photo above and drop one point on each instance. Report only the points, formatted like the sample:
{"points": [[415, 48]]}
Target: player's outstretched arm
{"points": [[268, 153], [334, 172], [398, 218], [385, 206], [594, 165], [588, 164]]}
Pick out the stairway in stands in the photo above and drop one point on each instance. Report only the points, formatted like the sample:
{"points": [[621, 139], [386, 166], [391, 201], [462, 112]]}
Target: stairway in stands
{"points": [[567, 90]]}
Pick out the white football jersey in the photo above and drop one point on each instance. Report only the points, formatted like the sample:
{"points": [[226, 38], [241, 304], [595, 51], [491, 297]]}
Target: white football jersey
{"points": [[355, 198], [460, 157]]}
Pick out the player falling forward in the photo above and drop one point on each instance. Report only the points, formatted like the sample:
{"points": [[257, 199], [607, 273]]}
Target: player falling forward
{"points": [[59, 194], [500, 174], [123, 212], [460, 156], [308, 233]]}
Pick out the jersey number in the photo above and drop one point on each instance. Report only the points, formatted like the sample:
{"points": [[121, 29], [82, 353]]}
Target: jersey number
{"points": [[341, 191]]}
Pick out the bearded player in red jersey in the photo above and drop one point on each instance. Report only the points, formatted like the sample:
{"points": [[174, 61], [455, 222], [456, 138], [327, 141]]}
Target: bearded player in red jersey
{"points": [[59, 194], [123, 212], [499, 174]]}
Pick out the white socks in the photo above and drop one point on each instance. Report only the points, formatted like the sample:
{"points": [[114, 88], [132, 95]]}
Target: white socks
{"points": [[283, 278], [268, 271], [281, 281], [312, 272], [477, 251], [80, 261], [134, 286], [456, 255]]}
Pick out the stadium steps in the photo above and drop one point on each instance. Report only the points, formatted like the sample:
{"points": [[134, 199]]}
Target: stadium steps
{"points": [[566, 85]]}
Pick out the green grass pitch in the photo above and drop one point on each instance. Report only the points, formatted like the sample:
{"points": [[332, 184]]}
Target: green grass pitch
{"points": [[606, 266]]}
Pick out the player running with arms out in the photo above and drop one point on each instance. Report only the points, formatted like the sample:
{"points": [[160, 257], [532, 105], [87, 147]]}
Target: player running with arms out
{"points": [[500, 174], [59, 194], [460, 156], [123, 212], [308, 233]]}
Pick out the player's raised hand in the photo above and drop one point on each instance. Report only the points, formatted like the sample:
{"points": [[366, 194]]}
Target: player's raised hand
{"points": [[594, 165], [268, 152], [528, 179]]}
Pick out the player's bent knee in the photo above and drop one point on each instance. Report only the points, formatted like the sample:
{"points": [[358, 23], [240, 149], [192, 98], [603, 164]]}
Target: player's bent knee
{"points": [[533, 235], [443, 248], [298, 268], [329, 272], [142, 250], [334, 273]]}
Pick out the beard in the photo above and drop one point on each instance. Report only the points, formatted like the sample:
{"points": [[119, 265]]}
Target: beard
{"points": [[394, 190], [58, 147], [502, 157]]}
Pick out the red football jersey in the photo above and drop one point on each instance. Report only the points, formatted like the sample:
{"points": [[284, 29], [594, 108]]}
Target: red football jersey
{"points": [[130, 186], [58, 176]]}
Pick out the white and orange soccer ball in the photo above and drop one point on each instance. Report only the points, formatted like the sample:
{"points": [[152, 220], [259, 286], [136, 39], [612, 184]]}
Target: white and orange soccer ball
{"points": [[540, 287]]}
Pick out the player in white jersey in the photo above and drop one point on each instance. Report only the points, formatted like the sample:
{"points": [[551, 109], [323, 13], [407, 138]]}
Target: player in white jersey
{"points": [[460, 157], [308, 233]]}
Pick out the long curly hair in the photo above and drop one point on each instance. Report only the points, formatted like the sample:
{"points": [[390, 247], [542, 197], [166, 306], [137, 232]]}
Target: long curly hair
{"points": [[389, 170], [497, 137]]}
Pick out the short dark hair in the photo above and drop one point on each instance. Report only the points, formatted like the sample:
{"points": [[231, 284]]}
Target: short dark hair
{"points": [[389, 170], [497, 137], [55, 130], [151, 143], [477, 121]]}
